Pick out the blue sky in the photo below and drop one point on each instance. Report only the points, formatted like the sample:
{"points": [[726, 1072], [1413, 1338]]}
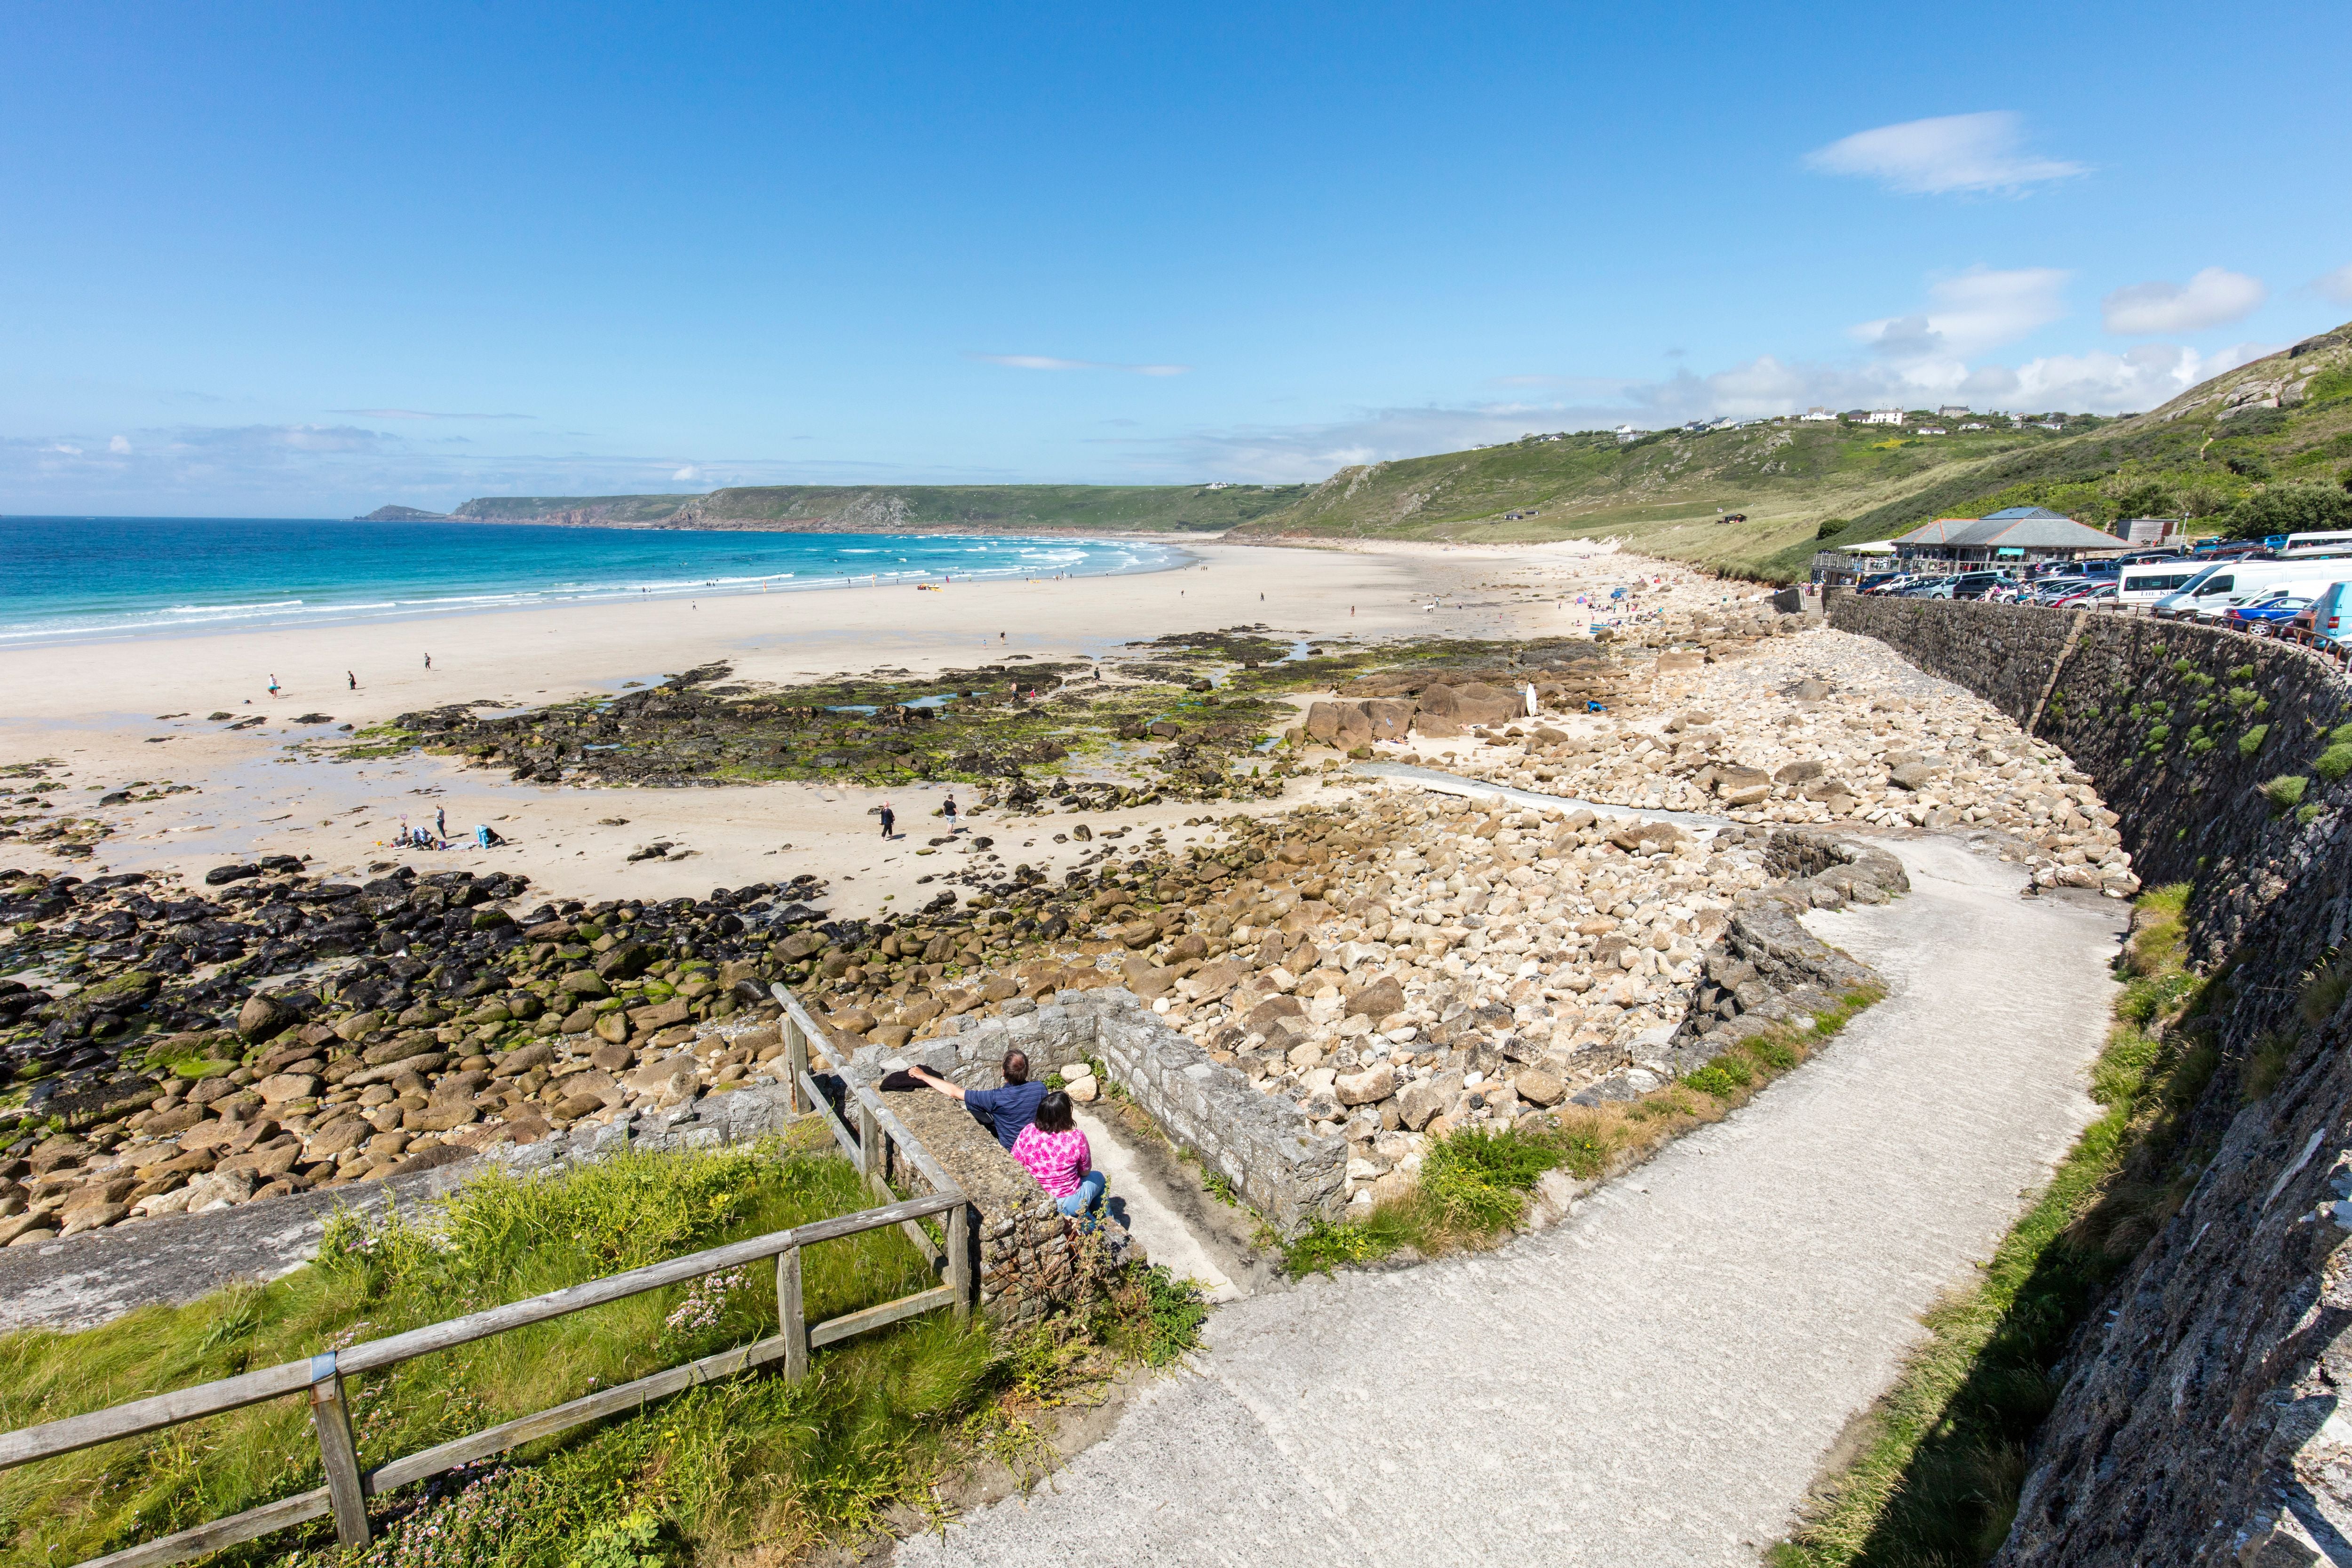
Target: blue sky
{"points": [[285, 261]]}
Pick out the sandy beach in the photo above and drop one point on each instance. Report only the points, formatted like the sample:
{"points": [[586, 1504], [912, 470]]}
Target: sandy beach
{"points": [[103, 710]]}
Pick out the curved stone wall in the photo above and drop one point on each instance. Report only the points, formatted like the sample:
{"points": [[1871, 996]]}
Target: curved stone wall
{"points": [[2199, 1420]]}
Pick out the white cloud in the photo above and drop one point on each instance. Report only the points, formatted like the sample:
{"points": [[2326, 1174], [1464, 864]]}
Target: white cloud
{"points": [[1044, 362], [1974, 311], [1948, 152], [2214, 298], [118, 445], [423, 414], [688, 473], [2337, 285]]}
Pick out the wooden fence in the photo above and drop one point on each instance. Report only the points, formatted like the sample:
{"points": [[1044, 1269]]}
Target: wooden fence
{"points": [[344, 1496]]}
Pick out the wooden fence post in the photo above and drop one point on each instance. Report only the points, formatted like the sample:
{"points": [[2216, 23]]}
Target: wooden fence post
{"points": [[959, 1259], [873, 1148], [796, 1061], [331, 1417], [792, 1319]]}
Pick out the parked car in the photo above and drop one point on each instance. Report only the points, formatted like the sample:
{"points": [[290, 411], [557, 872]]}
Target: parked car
{"points": [[1934, 588], [2264, 619], [2102, 598], [1976, 584]]}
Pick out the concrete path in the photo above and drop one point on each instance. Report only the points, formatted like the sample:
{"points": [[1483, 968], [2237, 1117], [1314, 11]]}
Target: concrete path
{"points": [[1134, 1198], [1657, 1380], [1440, 783]]}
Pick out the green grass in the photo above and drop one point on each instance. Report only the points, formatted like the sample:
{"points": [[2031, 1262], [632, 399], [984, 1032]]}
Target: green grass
{"points": [[1935, 1483], [749, 1460], [1473, 1183]]}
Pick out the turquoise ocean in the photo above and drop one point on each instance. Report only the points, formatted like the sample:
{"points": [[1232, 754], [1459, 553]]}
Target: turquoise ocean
{"points": [[88, 579]]}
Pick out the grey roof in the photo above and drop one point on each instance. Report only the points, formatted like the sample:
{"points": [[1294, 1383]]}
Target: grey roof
{"points": [[2016, 528]]}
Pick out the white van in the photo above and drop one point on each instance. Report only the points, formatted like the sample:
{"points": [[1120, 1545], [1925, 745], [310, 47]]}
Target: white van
{"points": [[2145, 584], [2317, 543], [2227, 582]]}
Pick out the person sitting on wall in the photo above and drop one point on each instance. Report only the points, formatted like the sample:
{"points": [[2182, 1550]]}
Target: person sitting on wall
{"points": [[1003, 1112], [1053, 1150]]}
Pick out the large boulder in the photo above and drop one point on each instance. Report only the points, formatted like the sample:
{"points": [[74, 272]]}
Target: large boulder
{"points": [[1378, 999], [263, 1017], [1369, 1087]]}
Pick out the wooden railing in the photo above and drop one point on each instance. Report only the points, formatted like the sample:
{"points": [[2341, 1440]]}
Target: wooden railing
{"points": [[348, 1487]]}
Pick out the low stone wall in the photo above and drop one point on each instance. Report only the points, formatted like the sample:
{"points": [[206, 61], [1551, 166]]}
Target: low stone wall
{"points": [[1031, 1261], [1259, 1143]]}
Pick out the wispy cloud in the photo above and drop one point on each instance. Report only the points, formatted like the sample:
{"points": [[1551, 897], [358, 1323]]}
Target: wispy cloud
{"points": [[2214, 298], [423, 414], [2335, 285], [1969, 313], [1948, 152], [1046, 361]]}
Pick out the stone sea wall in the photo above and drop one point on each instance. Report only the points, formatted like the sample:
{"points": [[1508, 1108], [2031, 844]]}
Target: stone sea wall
{"points": [[2199, 1420]]}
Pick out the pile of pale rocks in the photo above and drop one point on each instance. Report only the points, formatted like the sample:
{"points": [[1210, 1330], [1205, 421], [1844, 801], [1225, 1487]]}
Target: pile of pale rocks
{"points": [[1452, 966], [289, 1122], [1826, 727]]}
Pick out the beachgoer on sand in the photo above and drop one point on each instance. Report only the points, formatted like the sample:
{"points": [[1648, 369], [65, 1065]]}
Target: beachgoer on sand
{"points": [[428, 661], [948, 810], [1053, 1150], [889, 819], [441, 821], [1006, 1112], [352, 679], [273, 686]]}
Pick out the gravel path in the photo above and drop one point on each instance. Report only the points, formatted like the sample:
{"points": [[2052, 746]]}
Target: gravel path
{"points": [[1657, 1380]]}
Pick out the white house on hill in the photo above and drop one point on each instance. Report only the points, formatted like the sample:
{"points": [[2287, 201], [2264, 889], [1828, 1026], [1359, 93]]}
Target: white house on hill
{"points": [[1885, 416]]}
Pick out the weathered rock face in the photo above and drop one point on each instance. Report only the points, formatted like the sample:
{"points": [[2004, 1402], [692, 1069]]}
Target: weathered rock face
{"points": [[2199, 1420]]}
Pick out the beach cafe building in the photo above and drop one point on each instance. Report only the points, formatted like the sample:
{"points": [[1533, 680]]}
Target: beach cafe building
{"points": [[2014, 536]]}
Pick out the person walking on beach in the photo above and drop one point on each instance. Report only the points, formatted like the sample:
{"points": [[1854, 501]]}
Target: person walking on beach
{"points": [[352, 679], [440, 822], [889, 819], [428, 661], [273, 686], [949, 811]]}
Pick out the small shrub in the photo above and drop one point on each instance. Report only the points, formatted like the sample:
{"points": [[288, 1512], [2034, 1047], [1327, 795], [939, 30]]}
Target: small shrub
{"points": [[2243, 697], [2322, 990], [2309, 814], [2285, 792], [1722, 1077], [2340, 735], [1481, 1179], [2333, 762], [2252, 741], [635, 1542], [2241, 672], [2266, 1068], [2182, 666]]}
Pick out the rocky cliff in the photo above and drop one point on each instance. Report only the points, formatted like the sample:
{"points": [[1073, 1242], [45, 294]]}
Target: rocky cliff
{"points": [[2197, 1422]]}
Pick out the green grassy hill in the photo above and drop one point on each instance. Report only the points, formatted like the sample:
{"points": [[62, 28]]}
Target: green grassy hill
{"points": [[2267, 447], [1663, 493], [1186, 509], [572, 509], [1178, 509]]}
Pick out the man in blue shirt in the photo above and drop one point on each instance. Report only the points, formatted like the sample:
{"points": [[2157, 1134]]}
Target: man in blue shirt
{"points": [[1003, 1112]]}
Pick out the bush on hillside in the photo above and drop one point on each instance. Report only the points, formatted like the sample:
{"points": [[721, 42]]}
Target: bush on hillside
{"points": [[2290, 509]]}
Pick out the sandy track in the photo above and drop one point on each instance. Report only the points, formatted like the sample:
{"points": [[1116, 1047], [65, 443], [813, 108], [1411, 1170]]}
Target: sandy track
{"points": [[1657, 1380]]}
